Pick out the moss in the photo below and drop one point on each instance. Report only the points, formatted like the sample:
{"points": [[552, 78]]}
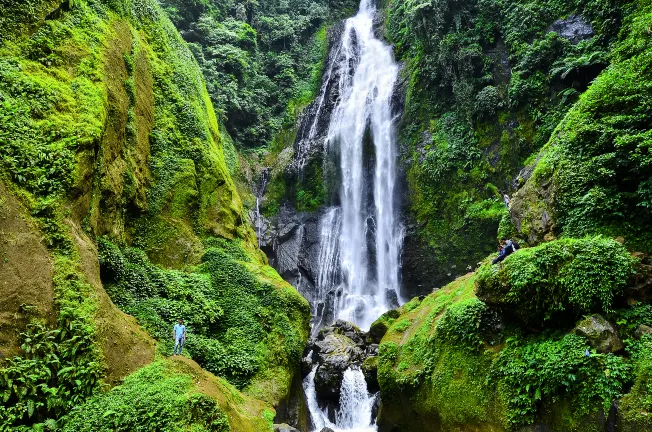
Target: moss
{"points": [[170, 395], [589, 178], [429, 382], [245, 322], [565, 277]]}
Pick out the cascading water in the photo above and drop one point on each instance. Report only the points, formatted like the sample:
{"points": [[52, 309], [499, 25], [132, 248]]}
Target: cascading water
{"points": [[356, 404], [361, 239], [369, 234]]}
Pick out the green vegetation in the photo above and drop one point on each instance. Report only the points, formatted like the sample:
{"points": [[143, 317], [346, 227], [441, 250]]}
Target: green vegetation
{"points": [[488, 83], [563, 278], [242, 325], [554, 369], [453, 361], [59, 367], [261, 60], [599, 160], [166, 399], [108, 136]]}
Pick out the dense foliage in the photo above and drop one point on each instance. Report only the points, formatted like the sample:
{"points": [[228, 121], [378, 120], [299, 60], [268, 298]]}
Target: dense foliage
{"points": [[59, 367], [489, 81], [568, 276], [453, 360], [555, 370], [240, 325], [599, 159], [154, 398], [260, 59]]}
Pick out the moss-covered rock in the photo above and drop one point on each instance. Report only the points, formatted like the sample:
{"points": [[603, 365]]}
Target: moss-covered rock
{"points": [[562, 278], [593, 175], [172, 395]]}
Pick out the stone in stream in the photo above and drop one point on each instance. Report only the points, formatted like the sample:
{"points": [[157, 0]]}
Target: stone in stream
{"points": [[327, 429], [600, 334]]}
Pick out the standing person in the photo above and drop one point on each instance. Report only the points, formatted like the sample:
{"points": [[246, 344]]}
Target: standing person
{"points": [[179, 333]]}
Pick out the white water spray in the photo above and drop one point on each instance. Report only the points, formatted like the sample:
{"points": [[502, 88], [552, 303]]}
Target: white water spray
{"points": [[367, 75], [355, 412]]}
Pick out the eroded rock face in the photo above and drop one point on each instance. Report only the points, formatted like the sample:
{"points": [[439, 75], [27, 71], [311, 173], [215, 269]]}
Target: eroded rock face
{"points": [[600, 333], [573, 28]]}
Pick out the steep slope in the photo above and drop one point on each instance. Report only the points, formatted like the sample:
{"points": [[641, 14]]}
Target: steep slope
{"points": [[109, 140], [535, 341], [487, 82]]}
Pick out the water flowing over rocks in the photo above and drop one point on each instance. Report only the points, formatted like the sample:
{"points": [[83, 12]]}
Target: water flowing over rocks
{"points": [[339, 357]]}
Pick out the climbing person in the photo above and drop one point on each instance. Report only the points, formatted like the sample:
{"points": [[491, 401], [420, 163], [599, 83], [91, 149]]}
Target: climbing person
{"points": [[179, 333], [507, 201], [507, 249]]}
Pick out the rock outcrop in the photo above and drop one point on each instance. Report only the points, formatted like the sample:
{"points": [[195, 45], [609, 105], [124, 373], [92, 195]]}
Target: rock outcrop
{"points": [[600, 333]]}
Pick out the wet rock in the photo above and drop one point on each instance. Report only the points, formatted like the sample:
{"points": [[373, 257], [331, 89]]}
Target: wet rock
{"points": [[334, 353], [370, 371], [600, 333], [573, 28], [307, 362], [283, 427], [392, 299], [327, 429]]}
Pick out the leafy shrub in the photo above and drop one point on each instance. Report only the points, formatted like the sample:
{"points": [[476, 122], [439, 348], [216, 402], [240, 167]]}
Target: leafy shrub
{"points": [[487, 102], [567, 275], [461, 323], [153, 398], [234, 320], [549, 369]]}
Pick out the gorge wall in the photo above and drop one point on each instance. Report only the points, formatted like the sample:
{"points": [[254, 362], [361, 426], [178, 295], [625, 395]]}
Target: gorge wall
{"points": [[173, 159]]}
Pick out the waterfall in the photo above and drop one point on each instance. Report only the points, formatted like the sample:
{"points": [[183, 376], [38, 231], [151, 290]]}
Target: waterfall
{"points": [[368, 229], [355, 412]]}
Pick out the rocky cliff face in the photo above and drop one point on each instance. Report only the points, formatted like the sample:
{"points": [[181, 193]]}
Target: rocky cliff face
{"points": [[114, 178]]}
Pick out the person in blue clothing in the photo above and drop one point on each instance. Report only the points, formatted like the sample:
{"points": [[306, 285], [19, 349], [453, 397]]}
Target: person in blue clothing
{"points": [[179, 333], [508, 248]]}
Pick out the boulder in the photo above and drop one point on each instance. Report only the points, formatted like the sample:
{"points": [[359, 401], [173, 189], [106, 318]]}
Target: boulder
{"points": [[600, 333], [642, 330], [370, 371], [327, 429], [334, 353], [381, 325], [283, 427], [573, 28]]}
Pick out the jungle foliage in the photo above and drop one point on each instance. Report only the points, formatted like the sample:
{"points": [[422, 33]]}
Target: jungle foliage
{"points": [[488, 82], [240, 325], [261, 59]]}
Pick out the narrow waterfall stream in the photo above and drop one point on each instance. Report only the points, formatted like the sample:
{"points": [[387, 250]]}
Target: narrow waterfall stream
{"points": [[361, 238]]}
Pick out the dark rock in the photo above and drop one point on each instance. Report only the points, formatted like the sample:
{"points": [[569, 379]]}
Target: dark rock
{"points": [[283, 427], [600, 333], [370, 371], [381, 325], [573, 28], [392, 299], [334, 352], [293, 410], [327, 429]]}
